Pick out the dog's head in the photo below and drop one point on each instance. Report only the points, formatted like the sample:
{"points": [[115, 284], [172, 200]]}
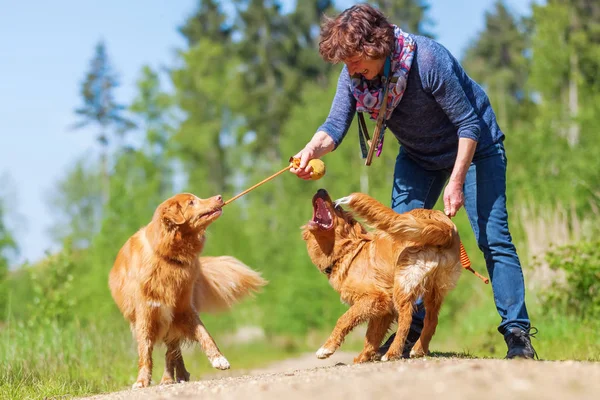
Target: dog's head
{"points": [[330, 230], [187, 212]]}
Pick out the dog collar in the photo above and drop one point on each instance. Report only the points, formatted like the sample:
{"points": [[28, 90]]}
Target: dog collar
{"points": [[327, 271]]}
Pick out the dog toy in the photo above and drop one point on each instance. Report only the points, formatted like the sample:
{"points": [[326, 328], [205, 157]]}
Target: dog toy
{"points": [[318, 170], [466, 263], [318, 167]]}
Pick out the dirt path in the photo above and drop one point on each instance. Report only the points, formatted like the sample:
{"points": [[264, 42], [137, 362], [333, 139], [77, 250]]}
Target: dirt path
{"points": [[423, 379]]}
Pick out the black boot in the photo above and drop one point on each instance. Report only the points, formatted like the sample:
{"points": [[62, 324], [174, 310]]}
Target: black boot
{"points": [[519, 343], [411, 339]]}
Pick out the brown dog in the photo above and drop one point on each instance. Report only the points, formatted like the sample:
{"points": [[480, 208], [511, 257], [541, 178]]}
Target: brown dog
{"points": [[160, 284], [381, 273]]}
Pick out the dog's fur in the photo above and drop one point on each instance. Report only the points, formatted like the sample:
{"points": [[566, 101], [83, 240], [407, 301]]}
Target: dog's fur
{"points": [[380, 273], [160, 284]]}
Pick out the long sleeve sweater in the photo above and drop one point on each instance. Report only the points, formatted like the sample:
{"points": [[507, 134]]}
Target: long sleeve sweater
{"points": [[441, 104]]}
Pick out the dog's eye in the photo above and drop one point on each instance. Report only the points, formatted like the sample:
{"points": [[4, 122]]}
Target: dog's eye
{"points": [[192, 202]]}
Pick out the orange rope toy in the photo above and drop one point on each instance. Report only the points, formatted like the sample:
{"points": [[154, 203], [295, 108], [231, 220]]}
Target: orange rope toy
{"points": [[466, 263]]}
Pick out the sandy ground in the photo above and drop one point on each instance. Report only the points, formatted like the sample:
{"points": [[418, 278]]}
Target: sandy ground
{"points": [[307, 377]]}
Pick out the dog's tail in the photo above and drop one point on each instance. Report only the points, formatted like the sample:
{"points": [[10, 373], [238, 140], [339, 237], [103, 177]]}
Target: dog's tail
{"points": [[223, 281], [422, 226]]}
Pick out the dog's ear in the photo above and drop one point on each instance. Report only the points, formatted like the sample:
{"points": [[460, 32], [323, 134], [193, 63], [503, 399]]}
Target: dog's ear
{"points": [[172, 213]]}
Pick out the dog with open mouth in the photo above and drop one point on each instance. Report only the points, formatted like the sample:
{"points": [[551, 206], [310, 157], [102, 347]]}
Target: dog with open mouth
{"points": [[380, 273], [160, 284]]}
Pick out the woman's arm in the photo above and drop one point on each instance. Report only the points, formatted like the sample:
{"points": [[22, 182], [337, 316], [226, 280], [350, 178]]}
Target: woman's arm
{"points": [[454, 197], [445, 78], [334, 129]]}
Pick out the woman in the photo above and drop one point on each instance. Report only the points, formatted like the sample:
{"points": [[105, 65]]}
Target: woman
{"points": [[448, 135]]}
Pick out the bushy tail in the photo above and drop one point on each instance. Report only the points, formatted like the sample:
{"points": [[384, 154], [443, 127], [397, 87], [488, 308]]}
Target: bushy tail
{"points": [[425, 227], [223, 281]]}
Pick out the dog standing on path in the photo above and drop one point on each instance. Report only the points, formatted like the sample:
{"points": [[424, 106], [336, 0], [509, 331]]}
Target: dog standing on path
{"points": [[381, 273], [160, 284]]}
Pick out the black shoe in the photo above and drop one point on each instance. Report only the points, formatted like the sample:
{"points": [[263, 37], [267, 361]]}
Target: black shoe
{"points": [[519, 343], [411, 339]]}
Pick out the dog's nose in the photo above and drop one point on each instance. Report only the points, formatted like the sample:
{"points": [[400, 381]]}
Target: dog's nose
{"points": [[219, 198], [322, 192]]}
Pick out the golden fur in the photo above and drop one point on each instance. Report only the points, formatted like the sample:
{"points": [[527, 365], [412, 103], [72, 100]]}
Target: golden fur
{"points": [[380, 273], [160, 284]]}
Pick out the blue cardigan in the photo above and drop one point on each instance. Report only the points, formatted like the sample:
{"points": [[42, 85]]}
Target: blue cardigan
{"points": [[440, 104]]}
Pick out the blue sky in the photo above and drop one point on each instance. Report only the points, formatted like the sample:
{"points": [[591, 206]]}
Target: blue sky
{"points": [[47, 56]]}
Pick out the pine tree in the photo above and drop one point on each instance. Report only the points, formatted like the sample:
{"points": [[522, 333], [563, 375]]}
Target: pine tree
{"points": [[497, 60], [409, 15], [100, 108]]}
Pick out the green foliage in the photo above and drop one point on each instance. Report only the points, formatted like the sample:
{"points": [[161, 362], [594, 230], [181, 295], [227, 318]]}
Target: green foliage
{"points": [[497, 59], [52, 287], [409, 15], [7, 245], [77, 204], [576, 289], [101, 109]]}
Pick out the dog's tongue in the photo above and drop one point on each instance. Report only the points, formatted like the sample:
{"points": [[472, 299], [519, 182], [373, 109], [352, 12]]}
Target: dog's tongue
{"points": [[321, 214]]}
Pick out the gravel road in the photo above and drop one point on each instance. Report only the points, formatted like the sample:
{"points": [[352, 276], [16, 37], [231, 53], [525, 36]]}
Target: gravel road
{"points": [[429, 378]]}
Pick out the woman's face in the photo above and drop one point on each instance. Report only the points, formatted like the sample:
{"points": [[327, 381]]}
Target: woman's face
{"points": [[367, 68]]}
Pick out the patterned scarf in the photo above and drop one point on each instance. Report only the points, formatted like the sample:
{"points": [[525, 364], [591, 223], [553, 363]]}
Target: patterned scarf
{"points": [[369, 93]]}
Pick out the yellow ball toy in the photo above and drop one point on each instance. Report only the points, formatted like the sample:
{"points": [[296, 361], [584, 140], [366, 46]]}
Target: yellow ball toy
{"points": [[318, 169]]}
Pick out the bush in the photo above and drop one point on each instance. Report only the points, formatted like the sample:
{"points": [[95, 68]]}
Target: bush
{"points": [[577, 292]]}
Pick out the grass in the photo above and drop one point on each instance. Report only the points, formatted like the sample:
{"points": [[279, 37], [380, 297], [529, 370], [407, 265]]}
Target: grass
{"points": [[49, 361], [559, 337], [52, 362]]}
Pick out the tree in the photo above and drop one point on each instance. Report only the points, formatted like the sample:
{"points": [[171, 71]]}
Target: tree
{"points": [[267, 78], [566, 62], [497, 59], [409, 15], [100, 108], [154, 109], [77, 203], [208, 22]]}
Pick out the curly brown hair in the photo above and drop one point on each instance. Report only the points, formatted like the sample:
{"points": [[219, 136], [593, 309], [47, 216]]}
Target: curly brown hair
{"points": [[360, 30]]}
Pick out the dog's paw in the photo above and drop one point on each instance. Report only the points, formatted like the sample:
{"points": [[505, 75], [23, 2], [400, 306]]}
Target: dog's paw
{"points": [[391, 357], [220, 362], [141, 383], [167, 380], [365, 357], [182, 376], [418, 353], [324, 352]]}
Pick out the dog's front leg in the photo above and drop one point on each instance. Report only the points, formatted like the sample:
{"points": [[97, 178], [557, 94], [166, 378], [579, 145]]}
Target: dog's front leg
{"points": [[146, 330], [174, 367], [197, 331], [357, 313]]}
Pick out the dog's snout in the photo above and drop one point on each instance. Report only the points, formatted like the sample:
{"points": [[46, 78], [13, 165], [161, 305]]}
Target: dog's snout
{"points": [[322, 192], [219, 199]]}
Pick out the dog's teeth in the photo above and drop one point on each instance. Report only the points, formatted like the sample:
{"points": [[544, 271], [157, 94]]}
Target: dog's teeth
{"points": [[343, 200]]}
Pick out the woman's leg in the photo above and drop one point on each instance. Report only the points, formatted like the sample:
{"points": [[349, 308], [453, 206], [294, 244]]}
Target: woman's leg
{"points": [[485, 203]]}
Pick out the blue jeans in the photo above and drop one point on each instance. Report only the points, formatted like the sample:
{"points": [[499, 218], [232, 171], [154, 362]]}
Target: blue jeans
{"points": [[485, 204]]}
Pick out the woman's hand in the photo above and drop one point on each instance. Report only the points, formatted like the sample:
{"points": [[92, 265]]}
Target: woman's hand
{"points": [[454, 198], [319, 145]]}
